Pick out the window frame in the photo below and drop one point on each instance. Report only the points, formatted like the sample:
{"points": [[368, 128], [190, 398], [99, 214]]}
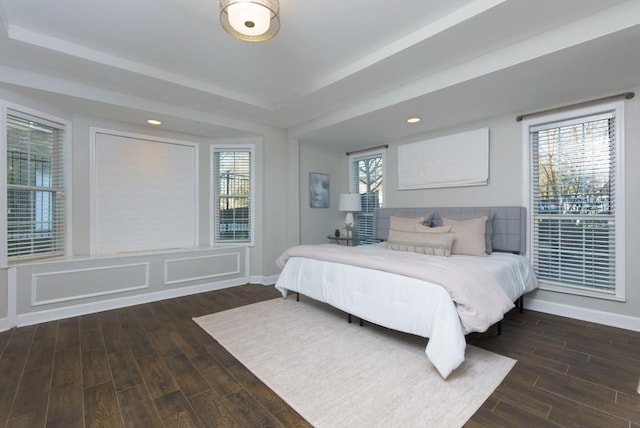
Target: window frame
{"points": [[353, 157], [617, 109], [251, 148], [66, 153], [95, 226]]}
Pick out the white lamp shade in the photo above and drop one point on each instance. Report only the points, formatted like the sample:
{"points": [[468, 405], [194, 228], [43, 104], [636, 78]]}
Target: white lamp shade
{"points": [[349, 202], [251, 19]]}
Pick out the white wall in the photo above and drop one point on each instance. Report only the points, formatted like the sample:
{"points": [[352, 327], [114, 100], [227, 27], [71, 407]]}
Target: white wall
{"points": [[505, 174], [277, 210], [4, 300], [317, 223]]}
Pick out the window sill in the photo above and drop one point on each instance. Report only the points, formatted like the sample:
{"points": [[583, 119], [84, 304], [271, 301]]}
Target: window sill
{"points": [[58, 259]]}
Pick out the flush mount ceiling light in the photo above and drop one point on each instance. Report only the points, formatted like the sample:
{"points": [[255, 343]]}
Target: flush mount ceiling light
{"points": [[154, 122], [250, 20], [413, 120]]}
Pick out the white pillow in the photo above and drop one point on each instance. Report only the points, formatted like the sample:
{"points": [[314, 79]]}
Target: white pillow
{"points": [[469, 235], [405, 224], [431, 243], [421, 228]]}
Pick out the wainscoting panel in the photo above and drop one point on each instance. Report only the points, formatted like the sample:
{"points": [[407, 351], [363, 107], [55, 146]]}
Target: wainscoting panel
{"points": [[53, 287], [203, 267]]}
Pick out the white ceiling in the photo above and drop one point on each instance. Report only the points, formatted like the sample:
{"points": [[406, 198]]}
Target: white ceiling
{"points": [[340, 73]]}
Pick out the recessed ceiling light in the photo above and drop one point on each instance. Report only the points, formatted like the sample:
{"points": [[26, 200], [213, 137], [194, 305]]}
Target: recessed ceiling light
{"points": [[413, 120], [154, 122]]}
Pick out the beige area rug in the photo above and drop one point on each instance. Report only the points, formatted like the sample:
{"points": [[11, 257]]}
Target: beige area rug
{"points": [[337, 374]]}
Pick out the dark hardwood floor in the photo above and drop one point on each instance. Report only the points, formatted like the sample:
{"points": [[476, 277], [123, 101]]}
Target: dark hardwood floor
{"points": [[152, 366]]}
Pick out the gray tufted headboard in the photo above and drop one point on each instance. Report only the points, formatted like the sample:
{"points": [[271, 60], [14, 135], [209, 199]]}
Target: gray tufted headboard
{"points": [[509, 223]]}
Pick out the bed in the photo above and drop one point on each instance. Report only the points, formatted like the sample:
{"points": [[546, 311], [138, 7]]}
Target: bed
{"points": [[396, 285]]}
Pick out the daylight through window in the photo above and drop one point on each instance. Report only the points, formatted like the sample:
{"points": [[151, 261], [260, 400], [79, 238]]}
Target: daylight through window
{"points": [[35, 186], [575, 201], [232, 195], [367, 179]]}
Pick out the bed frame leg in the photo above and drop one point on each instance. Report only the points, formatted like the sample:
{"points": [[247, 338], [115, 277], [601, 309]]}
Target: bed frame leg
{"points": [[297, 297], [499, 328], [349, 319], [520, 304]]}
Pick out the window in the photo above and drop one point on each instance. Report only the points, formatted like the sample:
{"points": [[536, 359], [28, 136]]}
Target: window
{"points": [[35, 185], [367, 179], [577, 201], [232, 194], [144, 193]]}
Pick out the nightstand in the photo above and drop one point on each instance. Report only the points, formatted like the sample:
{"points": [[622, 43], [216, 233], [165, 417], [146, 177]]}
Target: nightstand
{"points": [[343, 240]]}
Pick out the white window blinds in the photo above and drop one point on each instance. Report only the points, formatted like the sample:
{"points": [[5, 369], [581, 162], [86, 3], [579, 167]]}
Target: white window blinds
{"points": [[232, 195], [35, 186], [144, 193], [450, 161], [367, 180], [574, 202]]}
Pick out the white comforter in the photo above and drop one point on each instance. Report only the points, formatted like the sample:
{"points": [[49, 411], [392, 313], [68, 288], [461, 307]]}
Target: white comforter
{"points": [[402, 303]]}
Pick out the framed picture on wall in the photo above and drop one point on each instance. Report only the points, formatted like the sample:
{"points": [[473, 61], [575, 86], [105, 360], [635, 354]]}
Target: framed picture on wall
{"points": [[318, 190]]}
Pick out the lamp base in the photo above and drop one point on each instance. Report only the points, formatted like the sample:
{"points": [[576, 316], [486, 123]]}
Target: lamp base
{"points": [[348, 219]]}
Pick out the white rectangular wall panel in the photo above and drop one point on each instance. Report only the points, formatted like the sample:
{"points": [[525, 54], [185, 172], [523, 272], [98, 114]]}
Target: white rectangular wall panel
{"points": [[144, 194], [197, 268], [77, 284], [450, 161]]}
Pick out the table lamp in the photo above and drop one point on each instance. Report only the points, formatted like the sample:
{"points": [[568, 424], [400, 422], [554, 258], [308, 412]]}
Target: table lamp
{"points": [[350, 203]]}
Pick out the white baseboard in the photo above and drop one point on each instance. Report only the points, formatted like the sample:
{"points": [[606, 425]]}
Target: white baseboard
{"points": [[104, 305], [264, 280], [584, 314]]}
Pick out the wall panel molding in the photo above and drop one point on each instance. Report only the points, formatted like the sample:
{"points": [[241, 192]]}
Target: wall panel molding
{"points": [[187, 269], [52, 287], [121, 302]]}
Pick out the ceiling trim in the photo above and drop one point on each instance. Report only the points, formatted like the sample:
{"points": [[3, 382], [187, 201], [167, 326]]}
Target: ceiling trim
{"points": [[33, 38], [116, 99], [592, 27], [445, 23]]}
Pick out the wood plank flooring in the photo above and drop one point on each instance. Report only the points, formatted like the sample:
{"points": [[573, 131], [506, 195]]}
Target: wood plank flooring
{"points": [[151, 366]]}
